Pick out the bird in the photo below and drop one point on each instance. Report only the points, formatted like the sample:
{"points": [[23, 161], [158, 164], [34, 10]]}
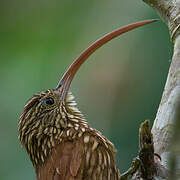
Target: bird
{"points": [[58, 139]]}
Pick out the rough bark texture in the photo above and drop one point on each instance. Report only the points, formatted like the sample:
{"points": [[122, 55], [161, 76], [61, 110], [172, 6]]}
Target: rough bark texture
{"points": [[162, 129], [159, 151], [175, 147]]}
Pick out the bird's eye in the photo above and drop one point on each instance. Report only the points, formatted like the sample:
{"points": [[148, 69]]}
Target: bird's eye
{"points": [[48, 101]]}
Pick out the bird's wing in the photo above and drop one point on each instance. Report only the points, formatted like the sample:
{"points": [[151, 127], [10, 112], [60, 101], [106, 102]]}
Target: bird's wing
{"points": [[86, 158], [65, 163], [69, 164]]}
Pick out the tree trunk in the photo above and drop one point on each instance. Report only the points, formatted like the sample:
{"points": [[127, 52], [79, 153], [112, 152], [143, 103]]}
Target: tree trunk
{"points": [[159, 154]]}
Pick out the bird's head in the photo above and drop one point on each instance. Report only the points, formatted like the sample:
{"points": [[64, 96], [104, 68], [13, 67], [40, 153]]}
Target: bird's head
{"points": [[45, 121]]}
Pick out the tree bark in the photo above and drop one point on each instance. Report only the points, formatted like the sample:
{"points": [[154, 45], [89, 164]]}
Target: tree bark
{"points": [[165, 136], [159, 150]]}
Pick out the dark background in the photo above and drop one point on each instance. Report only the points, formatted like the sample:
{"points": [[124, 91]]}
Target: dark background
{"points": [[116, 89]]}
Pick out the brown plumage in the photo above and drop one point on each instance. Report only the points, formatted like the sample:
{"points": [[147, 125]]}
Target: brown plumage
{"points": [[60, 143]]}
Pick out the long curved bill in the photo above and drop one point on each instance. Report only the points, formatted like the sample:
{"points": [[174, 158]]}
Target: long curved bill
{"points": [[67, 78]]}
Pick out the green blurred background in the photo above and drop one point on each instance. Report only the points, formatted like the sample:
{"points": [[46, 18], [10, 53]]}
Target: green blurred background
{"points": [[116, 89]]}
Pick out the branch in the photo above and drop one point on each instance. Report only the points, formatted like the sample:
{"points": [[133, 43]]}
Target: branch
{"points": [[169, 11], [146, 165], [174, 159]]}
